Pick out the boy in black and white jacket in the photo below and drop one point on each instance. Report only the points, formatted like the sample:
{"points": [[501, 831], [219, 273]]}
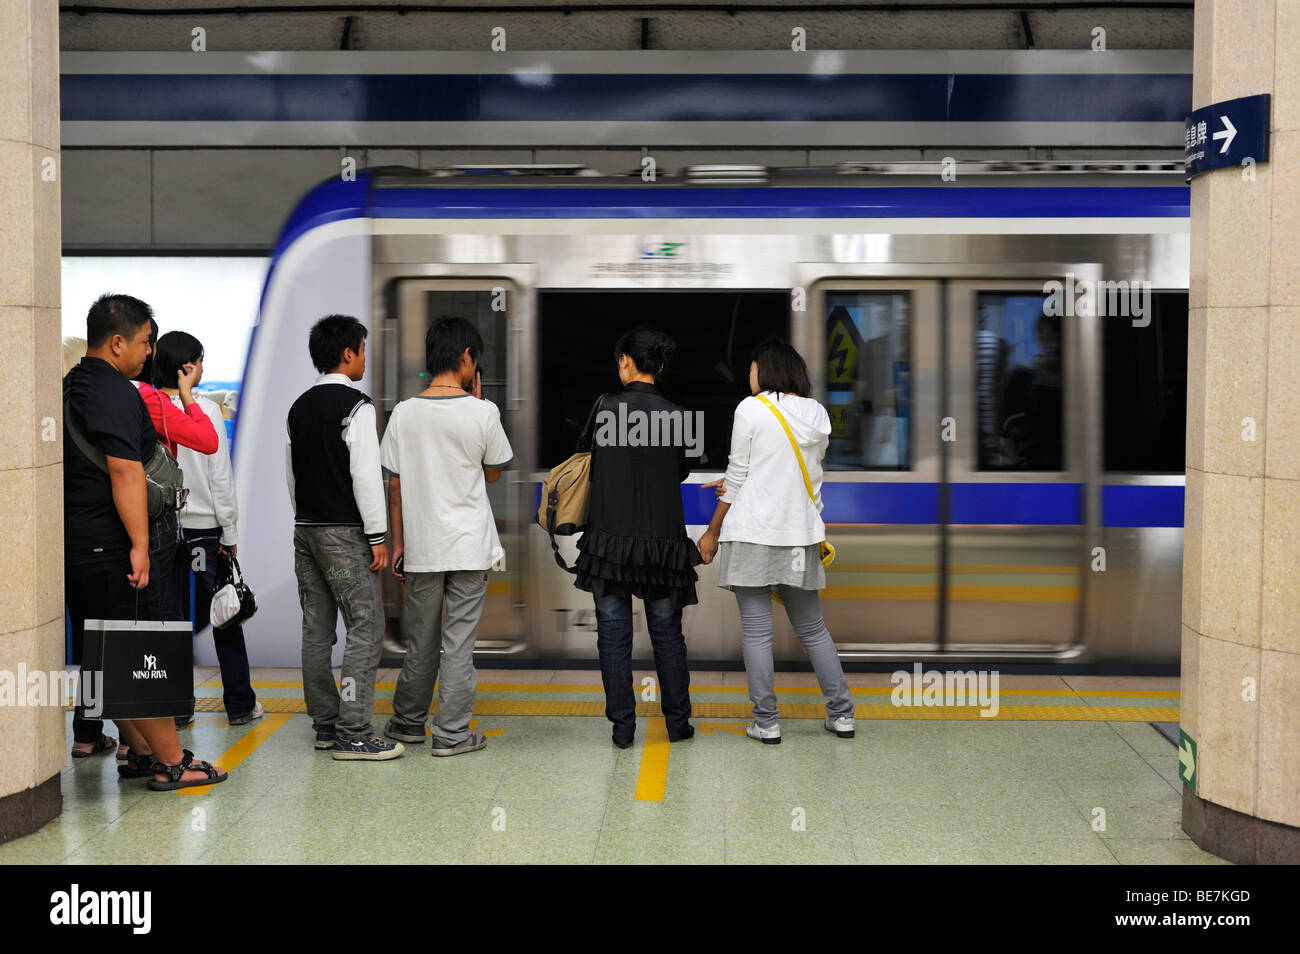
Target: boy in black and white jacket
{"points": [[340, 528]]}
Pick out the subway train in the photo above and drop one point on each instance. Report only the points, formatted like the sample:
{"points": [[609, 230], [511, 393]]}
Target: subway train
{"points": [[1003, 357]]}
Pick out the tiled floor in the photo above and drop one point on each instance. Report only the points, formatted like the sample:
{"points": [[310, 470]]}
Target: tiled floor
{"points": [[553, 789]]}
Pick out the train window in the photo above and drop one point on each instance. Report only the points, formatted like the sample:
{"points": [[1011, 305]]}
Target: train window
{"points": [[1018, 383], [869, 380], [715, 332], [1144, 389], [475, 306]]}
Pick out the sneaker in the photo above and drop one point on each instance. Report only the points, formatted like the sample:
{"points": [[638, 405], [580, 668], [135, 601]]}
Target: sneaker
{"points": [[475, 742], [368, 750], [257, 713], [404, 733], [622, 744], [840, 725], [325, 739], [184, 722], [769, 736], [687, 732]]}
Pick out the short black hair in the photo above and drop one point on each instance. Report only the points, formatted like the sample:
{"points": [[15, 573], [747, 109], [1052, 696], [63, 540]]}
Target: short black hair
{"points": [[146, 370], [330, 337], [115, 315], [175, 350], [446, 341], [648, 349], [781, 368]]}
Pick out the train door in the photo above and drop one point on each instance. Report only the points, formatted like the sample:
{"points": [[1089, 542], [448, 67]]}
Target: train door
{"points": [[498, 310], [1016, 466], [875, 359]]}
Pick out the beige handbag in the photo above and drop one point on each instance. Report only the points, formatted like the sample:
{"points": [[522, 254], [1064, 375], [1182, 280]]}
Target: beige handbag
{"points": [[566, 493]]}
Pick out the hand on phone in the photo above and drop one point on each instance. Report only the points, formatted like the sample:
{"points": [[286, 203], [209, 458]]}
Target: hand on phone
{"points": [[478, 385]]}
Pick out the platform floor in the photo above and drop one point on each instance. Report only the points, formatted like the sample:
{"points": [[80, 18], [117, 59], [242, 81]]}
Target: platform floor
{"points": [[925, 785]]}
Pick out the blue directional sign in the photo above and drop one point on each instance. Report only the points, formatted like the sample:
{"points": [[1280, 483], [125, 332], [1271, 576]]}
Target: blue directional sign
{"points": [[1227, 133]]}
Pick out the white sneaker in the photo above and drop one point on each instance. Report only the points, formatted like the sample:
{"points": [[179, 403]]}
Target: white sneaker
{"points": [[840, 725], [257, 713], [769, 736]]}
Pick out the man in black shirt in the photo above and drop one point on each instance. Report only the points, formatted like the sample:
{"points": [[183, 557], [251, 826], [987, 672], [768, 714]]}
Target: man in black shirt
{"points": [[106, 517]]}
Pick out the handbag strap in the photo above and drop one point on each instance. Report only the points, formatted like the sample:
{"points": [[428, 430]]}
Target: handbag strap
{"points": [[585, 435], [803, 468], [95, 455]]}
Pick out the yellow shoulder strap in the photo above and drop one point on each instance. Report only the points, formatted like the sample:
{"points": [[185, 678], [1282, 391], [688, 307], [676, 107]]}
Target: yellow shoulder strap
{"points": [[803, 468]]}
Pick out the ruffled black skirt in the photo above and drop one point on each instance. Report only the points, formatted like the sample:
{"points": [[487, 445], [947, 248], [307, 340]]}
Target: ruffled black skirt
{"points": [[648, 567]]}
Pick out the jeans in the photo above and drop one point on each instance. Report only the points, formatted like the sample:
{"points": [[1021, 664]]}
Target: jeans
{"points": [[164, 535], [232, 655], [100, 591], [614, 645], [333, 569], [435, 648], [803, 607]]}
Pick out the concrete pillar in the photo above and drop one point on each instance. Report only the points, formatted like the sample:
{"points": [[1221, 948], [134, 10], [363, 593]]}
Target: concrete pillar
{"points": [[1241, 559], [32, 749]]}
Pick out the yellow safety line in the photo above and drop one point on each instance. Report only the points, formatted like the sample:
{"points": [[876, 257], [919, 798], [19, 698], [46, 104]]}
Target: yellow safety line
{"points": [[248, 743], [964, 592], [999, 568], [652, 779], [790, 690], [790, 710]]}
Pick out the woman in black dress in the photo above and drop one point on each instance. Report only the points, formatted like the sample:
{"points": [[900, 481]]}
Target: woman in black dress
{"points": [[635, 543]]}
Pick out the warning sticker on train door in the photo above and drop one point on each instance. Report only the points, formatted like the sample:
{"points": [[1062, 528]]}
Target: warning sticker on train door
{"points": [[842, 344]]}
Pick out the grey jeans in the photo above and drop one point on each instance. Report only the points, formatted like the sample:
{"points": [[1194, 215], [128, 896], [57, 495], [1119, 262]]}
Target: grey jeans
{"points": [[440, 649], [333, 569], [803, 607]]}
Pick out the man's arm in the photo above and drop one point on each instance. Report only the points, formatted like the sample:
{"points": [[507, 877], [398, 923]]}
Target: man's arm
{"points": [[131, 497], [395, 519], [362, 439]]}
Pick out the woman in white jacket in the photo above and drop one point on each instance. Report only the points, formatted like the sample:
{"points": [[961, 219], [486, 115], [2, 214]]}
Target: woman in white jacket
{"points": [[767, 532]]}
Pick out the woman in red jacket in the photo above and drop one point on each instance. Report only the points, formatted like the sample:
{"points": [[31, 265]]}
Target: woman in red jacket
{"points": [[189, 428]]}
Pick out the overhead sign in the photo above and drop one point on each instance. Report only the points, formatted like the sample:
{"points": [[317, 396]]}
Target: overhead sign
{"points": [[1187, 760], [1227, 134]]}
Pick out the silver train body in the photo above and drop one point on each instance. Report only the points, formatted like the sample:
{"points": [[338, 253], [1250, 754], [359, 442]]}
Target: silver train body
{"points": [[946, 550]]}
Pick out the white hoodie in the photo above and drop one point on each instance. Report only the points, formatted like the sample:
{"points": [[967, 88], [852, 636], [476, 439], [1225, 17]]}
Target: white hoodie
{"points": [[210, 481], [769, 501]]}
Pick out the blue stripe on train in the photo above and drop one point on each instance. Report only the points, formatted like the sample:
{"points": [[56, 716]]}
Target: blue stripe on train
{"points": [[622, 202], [1127, 506], [595, 97], [996, 504]]}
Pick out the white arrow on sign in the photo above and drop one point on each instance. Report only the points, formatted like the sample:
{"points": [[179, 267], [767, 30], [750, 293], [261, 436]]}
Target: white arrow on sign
{"points": [[1186, 760], [1227, 133]]}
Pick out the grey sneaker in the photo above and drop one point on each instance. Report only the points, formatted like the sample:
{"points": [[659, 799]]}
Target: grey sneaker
{"points": [[404, 733], [768, 736], [257, 713], [475, 742], [840, 725]]}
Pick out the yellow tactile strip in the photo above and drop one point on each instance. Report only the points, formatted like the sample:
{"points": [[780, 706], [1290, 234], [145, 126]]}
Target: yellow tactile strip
{"points": [[790, 710]]}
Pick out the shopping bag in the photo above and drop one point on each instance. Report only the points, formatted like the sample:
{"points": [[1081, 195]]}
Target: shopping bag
{"points": [[138, 669]]}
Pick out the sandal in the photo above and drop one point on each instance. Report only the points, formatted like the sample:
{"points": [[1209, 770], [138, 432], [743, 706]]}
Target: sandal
{"points": [[137, 766], [103, 745], [175, 773]]}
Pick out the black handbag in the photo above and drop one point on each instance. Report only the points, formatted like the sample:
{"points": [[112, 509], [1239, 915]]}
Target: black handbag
{"points": [[137, 669], [232, 602]]}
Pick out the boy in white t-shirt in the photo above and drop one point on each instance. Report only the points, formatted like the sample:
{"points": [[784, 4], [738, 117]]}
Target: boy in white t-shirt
{"points": [[441, 449]]}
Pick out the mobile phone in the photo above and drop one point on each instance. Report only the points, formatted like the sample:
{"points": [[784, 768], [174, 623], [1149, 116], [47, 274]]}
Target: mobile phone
{"points": [[397, 564]]}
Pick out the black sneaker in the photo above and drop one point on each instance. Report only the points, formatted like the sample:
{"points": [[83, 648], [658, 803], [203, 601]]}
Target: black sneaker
{"points": [[367, 750], [411, 734], [687, 732], [623, 743], [325, 739]]}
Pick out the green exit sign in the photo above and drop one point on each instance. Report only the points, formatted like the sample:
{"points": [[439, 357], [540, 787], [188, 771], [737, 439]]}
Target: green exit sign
{"points": [[1187, 760]]}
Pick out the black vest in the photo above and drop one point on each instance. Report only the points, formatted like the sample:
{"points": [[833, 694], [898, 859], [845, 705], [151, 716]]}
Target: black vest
{"points": [[321, 476]]}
